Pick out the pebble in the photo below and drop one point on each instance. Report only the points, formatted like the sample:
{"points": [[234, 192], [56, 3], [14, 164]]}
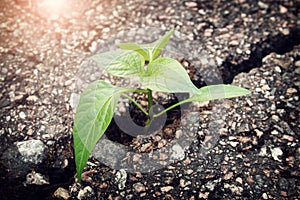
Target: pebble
{"points": [[62, 193], [288, 138], [265, 87], [190, 4], [32, 98], [277, 69], [235, 189], [4, 70], [265, 196], [33, 151], [297, 63], [120, 178], [275, 152], [34, 178], [282, 9], [139, 187], [177, 152], [239, 180], [263, 5], [233, 144], [285, 31], [228, 176], [166, 188], [234, 43], [22, 115], [85, 193], [291, 91], [263, 151]]}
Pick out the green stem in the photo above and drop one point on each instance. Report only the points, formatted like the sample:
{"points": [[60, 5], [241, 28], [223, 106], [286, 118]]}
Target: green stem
{"points": [[169, 108], [139, 90], [136, 103], [150, 99]]}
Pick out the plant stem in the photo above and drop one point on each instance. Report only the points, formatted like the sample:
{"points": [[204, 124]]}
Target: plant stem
{"points": [[150, 99], [136, 103], [139, 90], [169, 108]]}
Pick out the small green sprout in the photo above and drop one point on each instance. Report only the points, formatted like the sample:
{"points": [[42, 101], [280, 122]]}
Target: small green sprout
{"points": [[99, 100]]}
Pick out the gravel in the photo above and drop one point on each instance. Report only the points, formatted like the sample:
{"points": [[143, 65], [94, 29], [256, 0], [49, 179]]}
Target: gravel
{"points": [[242, 148]]}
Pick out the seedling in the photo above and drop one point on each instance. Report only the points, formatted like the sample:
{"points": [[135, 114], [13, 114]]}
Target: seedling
{"points": [[99, 100]]}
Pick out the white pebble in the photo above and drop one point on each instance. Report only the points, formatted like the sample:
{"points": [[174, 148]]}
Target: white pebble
{"points": [[22, 115], [276, 152]]}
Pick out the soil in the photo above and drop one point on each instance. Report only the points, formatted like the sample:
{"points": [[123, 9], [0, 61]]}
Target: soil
{"points": [[241, 148]]}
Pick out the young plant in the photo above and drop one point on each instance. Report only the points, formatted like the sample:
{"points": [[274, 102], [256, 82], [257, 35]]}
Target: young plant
{"points": [[99, 100]]}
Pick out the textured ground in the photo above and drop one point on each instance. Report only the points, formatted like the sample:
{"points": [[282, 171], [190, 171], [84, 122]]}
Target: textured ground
{"points": [[254, 44]]}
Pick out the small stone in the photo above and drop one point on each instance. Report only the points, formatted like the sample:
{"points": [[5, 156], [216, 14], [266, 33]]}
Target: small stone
{"points": [[22, 115], [283, 193], [274, 132], [282, 9], [182, 183], [233, 144], [277, 69], [219, 60], [103, 185], [265, 87], [85, 193], [291, 91], [68, 82], [288, 138], [263, 151], [258, 133], [263, 5], [285, 31], [275, 117], [146, 147], [297, 63], [276, 152], [4, 70], [29, 132], [238, 51], [32, 151], [166, 188], [32, 98], [120, 178], [189, 171], [234, 43], [139, 187], [228, 176], [178, 134], [265, 196], [93, 47], [191, 4], [35, 178], [239, 180], [203, 195], [210, 185], [208, 32], [61, 193], [177, 152]]}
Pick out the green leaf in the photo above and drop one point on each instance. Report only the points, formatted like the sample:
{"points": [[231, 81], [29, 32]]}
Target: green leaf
{"points": [[141, 49], [94, 113], [167, 75], [121, 63], [158, 45], [220, 91], [148, 51]]}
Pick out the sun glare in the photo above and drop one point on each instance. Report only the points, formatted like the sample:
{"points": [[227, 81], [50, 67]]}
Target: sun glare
{"points": [[54, 8], [54, 4]]}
